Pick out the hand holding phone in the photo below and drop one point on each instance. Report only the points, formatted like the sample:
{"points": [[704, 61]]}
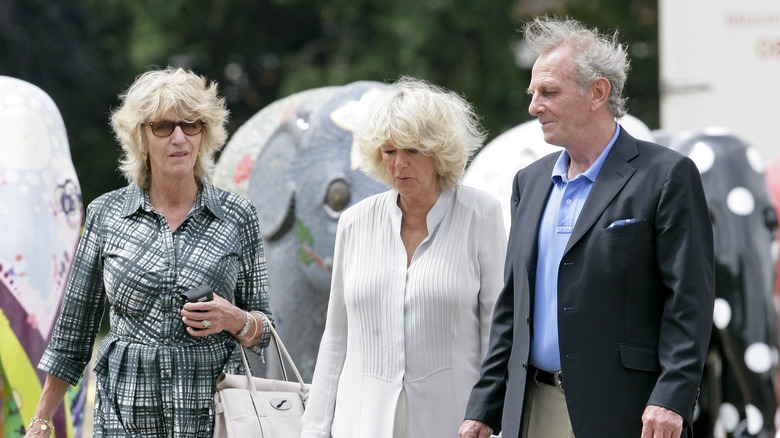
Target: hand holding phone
{"points": [[199, 294]]}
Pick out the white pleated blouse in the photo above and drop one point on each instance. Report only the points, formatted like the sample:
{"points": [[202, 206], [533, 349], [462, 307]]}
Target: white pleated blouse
{"points": [[423, 328]]}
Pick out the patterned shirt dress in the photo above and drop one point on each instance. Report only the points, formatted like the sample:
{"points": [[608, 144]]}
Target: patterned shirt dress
{"points": [[153, 378]]}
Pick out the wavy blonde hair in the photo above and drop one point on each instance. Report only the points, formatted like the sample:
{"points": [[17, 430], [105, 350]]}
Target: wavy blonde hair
{"points": [[148, 98], [415, 114]]}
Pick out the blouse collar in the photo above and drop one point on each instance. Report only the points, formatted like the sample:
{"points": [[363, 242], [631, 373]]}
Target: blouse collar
{"points": [[436, 213], [138, 199]]}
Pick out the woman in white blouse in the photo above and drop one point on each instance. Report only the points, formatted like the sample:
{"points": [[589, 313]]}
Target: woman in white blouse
{"points": [[416, 272]]}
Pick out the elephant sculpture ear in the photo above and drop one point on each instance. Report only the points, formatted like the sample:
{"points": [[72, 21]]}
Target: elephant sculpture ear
{"points": [[272, 187], [272, 181]]}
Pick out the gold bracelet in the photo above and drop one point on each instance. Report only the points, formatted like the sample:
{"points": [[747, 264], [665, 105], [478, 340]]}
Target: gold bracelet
{"points": [[256, 324], [45, 424]]}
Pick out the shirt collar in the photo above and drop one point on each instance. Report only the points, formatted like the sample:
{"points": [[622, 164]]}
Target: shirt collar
{"points": [[206, 198], [436, 213], [211, 200], [135, 199], [559, 170], [439, 209]]}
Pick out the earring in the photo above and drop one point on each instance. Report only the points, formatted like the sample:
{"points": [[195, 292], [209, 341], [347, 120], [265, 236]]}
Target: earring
{"points": [[200, 153], [143, 155]]}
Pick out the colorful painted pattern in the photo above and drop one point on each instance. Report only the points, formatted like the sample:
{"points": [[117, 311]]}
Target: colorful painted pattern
{"points": [[40, 215]]}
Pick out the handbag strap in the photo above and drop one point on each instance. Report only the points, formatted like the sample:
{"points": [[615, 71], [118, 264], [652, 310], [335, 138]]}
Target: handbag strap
{"points": [[281, 362], [251, 387], [281, 351], [250, 384]]}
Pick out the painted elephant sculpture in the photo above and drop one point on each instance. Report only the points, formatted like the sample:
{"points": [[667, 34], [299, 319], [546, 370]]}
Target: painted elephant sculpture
{"points": [[738, 396], [41, 213], [297, 165]]}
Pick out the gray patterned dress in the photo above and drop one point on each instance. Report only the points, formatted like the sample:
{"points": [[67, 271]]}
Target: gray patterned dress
{"points": [[153, 378]]}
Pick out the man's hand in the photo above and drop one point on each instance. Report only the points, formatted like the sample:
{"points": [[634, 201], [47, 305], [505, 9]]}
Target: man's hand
{"points": [[474, 429], [658, 422]]}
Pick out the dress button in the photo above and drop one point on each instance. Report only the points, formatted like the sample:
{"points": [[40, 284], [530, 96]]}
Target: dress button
{"points": [[568, 201]]}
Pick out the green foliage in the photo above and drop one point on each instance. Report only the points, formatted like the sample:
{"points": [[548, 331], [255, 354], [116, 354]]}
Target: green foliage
{"points": [[460, 44], [85, 52]]}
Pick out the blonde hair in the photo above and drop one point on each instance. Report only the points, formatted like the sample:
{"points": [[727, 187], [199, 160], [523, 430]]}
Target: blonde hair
{"points": [[415, 114], [148, 98]]}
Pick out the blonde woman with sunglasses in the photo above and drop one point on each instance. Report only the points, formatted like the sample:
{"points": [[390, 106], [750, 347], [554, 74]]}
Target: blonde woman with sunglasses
{"points": [[168, 231]]}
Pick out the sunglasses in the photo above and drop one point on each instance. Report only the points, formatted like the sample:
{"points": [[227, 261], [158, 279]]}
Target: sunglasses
{"points": [[163, 128]]}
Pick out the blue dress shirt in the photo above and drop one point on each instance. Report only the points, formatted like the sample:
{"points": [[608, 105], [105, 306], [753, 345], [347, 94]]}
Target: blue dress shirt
{"points": [[563, 208]]}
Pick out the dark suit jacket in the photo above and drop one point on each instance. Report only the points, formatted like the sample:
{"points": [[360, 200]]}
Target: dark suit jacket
{"points": [[634, 302]]}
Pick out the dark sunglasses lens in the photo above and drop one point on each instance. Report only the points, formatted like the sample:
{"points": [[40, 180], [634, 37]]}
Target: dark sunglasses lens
{"points": [[191, 128], [162, 129]]}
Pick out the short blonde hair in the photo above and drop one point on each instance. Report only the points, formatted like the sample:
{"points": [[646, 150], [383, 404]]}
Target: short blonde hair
{"points": [[415, 114], [148, 98]]}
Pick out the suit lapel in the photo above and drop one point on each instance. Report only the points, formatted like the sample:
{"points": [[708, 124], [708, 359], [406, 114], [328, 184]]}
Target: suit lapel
{"points": [[614, 174], [536, 204], [528, 216]]}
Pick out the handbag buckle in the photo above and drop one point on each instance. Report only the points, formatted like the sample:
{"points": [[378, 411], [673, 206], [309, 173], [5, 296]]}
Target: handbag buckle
{"points": [[281, 403]]}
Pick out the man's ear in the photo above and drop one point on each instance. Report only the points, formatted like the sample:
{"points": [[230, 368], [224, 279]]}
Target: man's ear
{"points": [[600, 91]]}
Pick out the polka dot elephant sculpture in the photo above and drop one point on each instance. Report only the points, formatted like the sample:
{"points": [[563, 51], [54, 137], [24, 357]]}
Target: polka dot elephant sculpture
{"points": [[295, 161], [738, 397]]}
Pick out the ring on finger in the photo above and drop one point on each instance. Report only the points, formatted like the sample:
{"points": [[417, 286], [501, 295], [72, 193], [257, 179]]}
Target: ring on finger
{"points": [[206, 323]]}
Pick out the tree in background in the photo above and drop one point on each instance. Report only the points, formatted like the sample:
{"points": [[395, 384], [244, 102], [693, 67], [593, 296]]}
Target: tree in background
{"points": [[84, 52]]}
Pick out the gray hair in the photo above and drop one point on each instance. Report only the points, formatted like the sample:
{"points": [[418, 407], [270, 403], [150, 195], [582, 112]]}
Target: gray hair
{"points": [[596, 55], [148, 98], [415, 114]]}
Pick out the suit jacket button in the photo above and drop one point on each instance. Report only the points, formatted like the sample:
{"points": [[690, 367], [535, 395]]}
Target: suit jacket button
{"points": [[525, 366]]}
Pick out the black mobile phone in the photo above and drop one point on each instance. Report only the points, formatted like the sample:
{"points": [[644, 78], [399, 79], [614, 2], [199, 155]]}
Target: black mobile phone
{"points": [[199, 294]]}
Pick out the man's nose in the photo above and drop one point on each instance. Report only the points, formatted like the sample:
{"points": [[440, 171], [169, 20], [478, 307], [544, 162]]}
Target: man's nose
{"points": [[534, 108]]}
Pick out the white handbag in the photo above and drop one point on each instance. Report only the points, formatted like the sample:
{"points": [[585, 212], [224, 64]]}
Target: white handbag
{"points": [[247, 406]]}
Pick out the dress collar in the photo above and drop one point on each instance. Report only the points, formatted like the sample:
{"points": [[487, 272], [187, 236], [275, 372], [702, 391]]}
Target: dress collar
{"points": [[138, 199]]}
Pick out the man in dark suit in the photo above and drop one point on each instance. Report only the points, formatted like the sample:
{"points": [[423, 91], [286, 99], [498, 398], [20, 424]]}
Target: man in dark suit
{"points": [[603, 324]]}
